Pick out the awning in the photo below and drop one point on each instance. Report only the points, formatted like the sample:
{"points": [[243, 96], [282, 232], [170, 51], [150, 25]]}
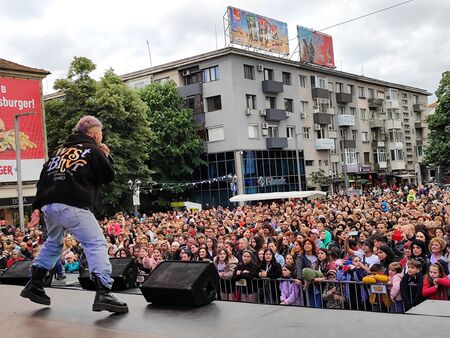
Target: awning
{"points": [[278, 195], [405, 176]]}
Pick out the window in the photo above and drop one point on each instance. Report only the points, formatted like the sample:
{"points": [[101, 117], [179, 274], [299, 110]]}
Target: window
{"points": [[290, 131], [304, 106], [332, 122], [306, 133], [326, 163], [354, 135], [334, 168], [320, 163], [366, 157], [302, 81], [273, 131], [380, 155], [251, 101], [287, 78], [371, 93], [419, 150], [193, 76], [361, 92], [211, 74], [365, 136], [249, 72], [395, 135], [321, 104], [397, 155], [349, 156], [352, 111], [330, 86], [339, 87], [252, 131], [214, 103], [350, 89], [309, 163], [392, 94], [334, 150], [318, 82], [268, 74], [418, 116], [415, 99], [288, 105], [320, 133], [363, 114], [216, 134], [271, 102], [341, 110]]}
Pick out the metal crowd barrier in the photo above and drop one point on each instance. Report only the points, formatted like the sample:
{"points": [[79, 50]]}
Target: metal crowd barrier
{"points": [[345, 295]]}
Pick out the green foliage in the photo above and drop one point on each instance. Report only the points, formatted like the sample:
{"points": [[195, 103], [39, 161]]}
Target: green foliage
{"points": [[321, 178], [174, 146], [124, 118], [438, 147]]}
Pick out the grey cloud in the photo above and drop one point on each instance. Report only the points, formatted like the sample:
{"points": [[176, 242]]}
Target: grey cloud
{"points": [[22, 10]]}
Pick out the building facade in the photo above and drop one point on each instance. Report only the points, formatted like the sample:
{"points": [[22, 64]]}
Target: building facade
{"points": [[272, 122]]}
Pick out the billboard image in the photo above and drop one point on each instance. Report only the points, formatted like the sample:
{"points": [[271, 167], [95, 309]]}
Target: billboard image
{"points": [[315, 47], [18, 96], [250, 29]]}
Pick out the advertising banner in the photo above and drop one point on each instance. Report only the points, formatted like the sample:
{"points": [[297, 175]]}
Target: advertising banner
{"points": [[19, 96], [253, 30], [315, 47]]}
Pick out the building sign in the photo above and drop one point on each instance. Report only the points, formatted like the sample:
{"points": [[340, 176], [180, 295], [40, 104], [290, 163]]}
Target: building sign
{"points": [[253, 30], [269, 181], [14, 202], [21, 96], [351, 168], [315, 47], [365, 168]]}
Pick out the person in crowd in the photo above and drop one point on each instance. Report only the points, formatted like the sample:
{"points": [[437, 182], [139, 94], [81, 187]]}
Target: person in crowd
{"points": [[289, 291], [437, 253], [203, 255], [71, 263], [419, 252], [411, 284], [15, 255], [269, 269], [333, 294], [278, 257], [386, 256], [356, 294], [395, 278], [325, 262], [122, 253], [435, 283], [243, 277], [211, 247], [225, 264]]}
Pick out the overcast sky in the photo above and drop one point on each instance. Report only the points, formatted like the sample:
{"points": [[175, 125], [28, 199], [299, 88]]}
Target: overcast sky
{"points": [[408, 44]]}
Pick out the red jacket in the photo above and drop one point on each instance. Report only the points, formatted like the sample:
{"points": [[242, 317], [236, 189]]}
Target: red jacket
{"points": [[438, 292]]}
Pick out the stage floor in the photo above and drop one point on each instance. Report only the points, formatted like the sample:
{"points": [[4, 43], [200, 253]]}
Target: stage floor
{"points": [[70, 315]]}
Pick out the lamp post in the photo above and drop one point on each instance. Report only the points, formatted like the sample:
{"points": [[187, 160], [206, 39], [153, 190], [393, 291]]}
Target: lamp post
{"points": [[19, 169], [135, 186], [297, 157]]}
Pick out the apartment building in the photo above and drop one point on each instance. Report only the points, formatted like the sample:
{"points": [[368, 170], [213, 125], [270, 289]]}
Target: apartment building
{"points": [[258, 112]]}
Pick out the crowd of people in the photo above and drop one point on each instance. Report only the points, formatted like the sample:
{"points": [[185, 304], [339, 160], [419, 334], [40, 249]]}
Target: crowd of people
{"points": [[320, 253]]}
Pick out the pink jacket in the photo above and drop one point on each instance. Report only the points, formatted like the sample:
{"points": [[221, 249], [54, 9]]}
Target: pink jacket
{"points": [[395, 288], [114, 229]]}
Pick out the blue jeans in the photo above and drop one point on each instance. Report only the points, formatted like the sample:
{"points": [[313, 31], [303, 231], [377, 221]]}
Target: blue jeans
{"points": [[83, 226]]}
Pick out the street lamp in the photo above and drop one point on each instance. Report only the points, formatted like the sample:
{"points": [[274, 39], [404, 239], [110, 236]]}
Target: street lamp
{"points": [[135, 186], [297, 157], [19, 169]]}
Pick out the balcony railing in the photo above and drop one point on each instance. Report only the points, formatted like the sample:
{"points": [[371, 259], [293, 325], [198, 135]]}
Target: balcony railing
{"points": [[346, 120], [272, 87], [276, 142]]}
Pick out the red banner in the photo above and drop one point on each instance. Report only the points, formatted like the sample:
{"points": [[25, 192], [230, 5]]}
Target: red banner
{"points": [[18, 96]]}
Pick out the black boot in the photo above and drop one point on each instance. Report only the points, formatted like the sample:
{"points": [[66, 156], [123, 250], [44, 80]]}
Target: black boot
{"points": [[34, 290], [105, 300]]}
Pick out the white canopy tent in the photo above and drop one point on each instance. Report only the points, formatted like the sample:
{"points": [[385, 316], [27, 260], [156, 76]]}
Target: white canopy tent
{"points": [[278, 195]]}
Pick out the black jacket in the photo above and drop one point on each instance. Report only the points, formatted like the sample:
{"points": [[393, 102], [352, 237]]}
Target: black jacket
{"points": [[74, 174], [411, 290]]}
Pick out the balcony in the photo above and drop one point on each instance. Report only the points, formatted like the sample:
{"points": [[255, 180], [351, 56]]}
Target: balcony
{"points": [[346, 120], [275, 115], [191, 90], [378, 144], [376, 123], [375, 103], [277, 142], [419, 107], [395, 145], [324, 144], [322, 118], [419, 125], [349, 144], [272, 87], [392, 104], [398, 165], [380, 165], [343, 98], [393, 124], [419, 142], [320, 93], [199, 118]]}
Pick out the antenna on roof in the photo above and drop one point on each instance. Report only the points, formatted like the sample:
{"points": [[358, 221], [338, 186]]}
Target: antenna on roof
{"points": [[215, 30], [149, 54]]}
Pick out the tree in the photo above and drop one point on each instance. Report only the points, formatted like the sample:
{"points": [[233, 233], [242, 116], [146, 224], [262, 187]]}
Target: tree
{"points": [[438, 148], [174, 148], [320, 178], [124, 119]]}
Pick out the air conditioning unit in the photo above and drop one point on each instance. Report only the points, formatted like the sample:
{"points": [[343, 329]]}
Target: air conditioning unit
{"points": [[248, 111], [316, 126], [265, 125], [288, 114], [262, 112], [260, 68], [265, 132], [186, 72], [303, 115]]}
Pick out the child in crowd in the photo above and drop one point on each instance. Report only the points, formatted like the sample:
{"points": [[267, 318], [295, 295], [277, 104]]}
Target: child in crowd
{"points": [[435, 283], [71, 262], [395, 277], [411, 284], [289, 291], [333, 293]]}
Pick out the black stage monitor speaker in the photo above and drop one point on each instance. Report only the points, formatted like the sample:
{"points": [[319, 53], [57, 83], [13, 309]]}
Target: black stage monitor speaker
{"points": [[124, 273], [19, 274], [182, 283]]}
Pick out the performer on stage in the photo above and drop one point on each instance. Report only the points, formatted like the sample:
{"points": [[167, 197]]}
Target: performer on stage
{"points": [[66, 194]]}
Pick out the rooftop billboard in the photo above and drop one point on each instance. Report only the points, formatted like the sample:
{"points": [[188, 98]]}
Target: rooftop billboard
{"points": [[253, 30], [19, 96], [315, 47]]}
